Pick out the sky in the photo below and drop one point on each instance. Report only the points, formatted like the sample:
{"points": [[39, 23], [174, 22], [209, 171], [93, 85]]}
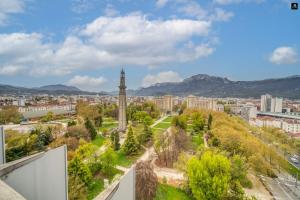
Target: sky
{"points": [[85, 43]]}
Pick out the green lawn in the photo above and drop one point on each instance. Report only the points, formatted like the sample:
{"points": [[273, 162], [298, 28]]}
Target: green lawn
{"points": [[162, 125], [166, 192], [168, 119], [127, 161], [95, 188], [98, 141], [197, 140]]}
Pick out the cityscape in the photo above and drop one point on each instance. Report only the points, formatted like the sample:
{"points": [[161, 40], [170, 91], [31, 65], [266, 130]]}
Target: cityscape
{"points": [[149, 100]]}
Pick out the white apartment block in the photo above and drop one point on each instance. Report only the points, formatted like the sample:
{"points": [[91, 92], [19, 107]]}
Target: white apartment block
{"points": [[203, 103], [289, 126], [270, 104]]}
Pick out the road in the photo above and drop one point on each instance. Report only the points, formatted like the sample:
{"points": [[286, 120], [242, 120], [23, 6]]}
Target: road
{"points": [[282, 188]]}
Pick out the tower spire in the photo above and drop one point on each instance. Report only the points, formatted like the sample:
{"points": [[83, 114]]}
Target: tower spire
{"points": [[122, 102]]}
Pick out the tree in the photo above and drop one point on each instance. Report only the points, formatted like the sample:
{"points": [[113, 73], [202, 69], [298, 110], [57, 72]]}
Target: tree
{"points": [[91, 129], [77, 168], [198, 123], [72, 123], [147, 133], [146, 181], [78, 132], [108, 161], [115, 139], [209, 121], [130, 145], [48, 117], [9, 114], [209, 177], [98, 121], [147, 120], [180, 122]]}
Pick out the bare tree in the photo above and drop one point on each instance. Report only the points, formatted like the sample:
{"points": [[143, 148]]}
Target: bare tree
{"points": [[146, 181]]}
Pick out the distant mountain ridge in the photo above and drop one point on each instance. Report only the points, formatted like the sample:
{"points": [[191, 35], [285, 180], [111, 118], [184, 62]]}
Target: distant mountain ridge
{"points": [[213, 86], [58, 89]]}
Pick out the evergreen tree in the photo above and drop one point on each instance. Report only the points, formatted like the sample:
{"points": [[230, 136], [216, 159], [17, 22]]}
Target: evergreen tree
{"points": [[148, 133], [130, 145], [115, 139], [91, 129], [209, 121], [98, 121]]}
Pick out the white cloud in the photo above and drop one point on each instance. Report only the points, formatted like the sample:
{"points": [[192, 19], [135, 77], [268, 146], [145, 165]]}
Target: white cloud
{"points": [[283, 55], [8, 7], [81, 6], [167, 76], [221, 15], [110, 11], [87, 83], [107, 42], [161, 3], [10, 70], [227, 2], [193, 9]]}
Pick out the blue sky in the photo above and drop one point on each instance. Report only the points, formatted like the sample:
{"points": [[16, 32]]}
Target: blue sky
{"points": [[86, 42]]}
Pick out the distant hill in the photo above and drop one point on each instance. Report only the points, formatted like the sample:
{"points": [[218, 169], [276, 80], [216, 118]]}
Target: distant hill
{"points": [[213, 86], [58, 87], [48, 89]]}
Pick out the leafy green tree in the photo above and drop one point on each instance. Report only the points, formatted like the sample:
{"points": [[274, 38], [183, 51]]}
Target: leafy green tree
{"points": [[198, 123], [48, 117], [10, 114], [115, 139], [72, 123], [148, 120], [209, 177], [98, 121], [77, 168], [108, 161], [91, 129], [130, 145], [180, 122], [239, 170]]}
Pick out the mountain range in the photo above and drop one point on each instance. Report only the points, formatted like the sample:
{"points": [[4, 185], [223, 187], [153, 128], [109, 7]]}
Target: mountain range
{"points": [[213, 86], [199, 85], [58, 89]]}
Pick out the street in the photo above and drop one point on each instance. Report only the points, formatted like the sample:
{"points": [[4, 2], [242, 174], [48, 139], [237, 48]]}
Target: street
{"points": [[282, 188]]}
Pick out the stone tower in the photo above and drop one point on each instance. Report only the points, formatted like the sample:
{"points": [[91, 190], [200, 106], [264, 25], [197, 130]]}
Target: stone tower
{"points": [[122, 103]]}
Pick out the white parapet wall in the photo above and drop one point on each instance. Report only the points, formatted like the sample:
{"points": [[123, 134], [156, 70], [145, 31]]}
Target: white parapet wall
{"points": [[42, 176]]}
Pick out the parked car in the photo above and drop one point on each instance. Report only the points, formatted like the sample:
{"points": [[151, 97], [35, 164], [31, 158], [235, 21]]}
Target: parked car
{"points": [[295, 160]]}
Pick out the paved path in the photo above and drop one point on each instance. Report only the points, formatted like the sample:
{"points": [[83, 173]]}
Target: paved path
{"points": [[159, 120]]}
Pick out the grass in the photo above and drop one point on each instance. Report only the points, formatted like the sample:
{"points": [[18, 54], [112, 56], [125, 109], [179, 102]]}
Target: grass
{"points": [[126, 161], [168, 119], [98, 141], [95, 188], [162, 125], [197, 140], [166, 192], [97, 185], [294, 171]]}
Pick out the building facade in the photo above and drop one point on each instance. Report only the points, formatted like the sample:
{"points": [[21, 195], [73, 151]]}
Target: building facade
{"points": [[270, 104]]}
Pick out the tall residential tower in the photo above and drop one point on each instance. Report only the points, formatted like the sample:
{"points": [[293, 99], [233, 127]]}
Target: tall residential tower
{"points": [[122, 103]]}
